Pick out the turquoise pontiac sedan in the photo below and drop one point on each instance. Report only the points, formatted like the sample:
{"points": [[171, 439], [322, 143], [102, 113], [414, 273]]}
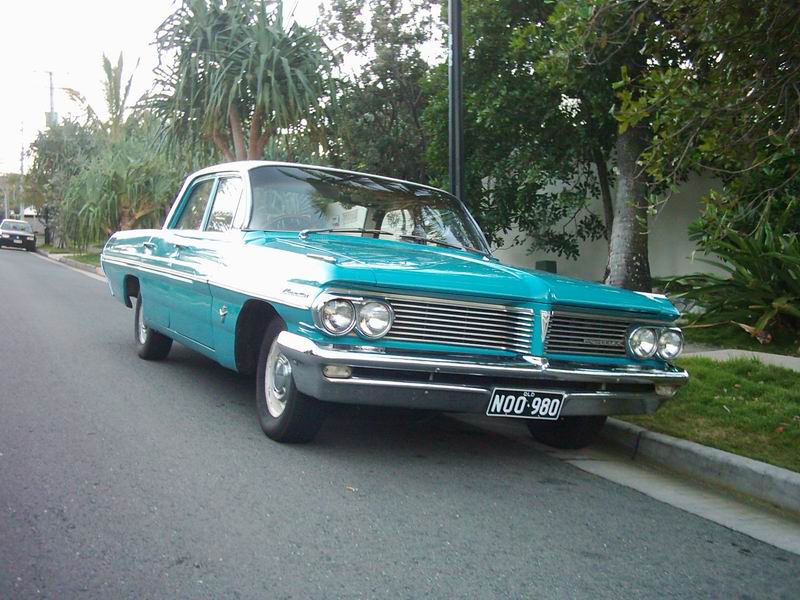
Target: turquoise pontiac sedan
{"points": [[341, 287]]}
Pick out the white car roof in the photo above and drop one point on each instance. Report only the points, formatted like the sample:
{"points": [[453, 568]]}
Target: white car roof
{"points": [[243, 166]]}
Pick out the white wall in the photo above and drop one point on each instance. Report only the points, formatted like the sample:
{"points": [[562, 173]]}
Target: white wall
{"points": [[670, 248]]}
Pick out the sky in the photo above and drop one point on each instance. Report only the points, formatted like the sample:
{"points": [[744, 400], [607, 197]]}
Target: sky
{"points": [[69, 38]]}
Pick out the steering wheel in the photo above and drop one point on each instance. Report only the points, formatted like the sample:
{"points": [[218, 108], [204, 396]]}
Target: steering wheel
{"points": [[289, 223]]}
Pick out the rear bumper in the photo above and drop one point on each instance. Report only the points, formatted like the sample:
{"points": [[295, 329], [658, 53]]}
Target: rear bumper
{"points": [[457, 385]]}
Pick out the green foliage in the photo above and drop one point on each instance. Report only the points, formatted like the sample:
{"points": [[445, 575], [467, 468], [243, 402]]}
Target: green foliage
{"points": [[126, 185], [534, 142], [721, 95], [95, 178], [378, 118], [232, 75], [761, 285]]}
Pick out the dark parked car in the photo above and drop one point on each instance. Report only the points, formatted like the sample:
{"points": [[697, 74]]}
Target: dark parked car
{"points": [[17, 234]]}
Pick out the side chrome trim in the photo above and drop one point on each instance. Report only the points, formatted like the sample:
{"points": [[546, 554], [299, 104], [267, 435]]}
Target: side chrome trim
{"points": [[186, 278], [150, 269]]}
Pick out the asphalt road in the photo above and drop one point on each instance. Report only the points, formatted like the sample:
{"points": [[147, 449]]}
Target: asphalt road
{"points": [[121, 478]]}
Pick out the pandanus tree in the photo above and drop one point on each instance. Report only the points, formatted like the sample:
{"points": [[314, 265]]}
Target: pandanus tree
{"points": [[231, 74]]}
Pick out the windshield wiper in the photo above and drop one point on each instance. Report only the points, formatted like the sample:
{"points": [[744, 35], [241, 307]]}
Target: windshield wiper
{"points": [[304, 233], [418, 238]]}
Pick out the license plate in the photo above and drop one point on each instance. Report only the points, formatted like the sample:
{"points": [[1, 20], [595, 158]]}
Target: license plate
{"points": [[17, 241], [525, 404]]}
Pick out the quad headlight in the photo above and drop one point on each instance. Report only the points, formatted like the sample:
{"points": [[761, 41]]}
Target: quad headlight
{"points": [[374, 319], [338, 316], [670, 343], [645, 342]]}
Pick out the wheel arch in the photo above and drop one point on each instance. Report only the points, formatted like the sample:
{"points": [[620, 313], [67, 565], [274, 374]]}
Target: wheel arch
{"points": [[253, 320], [130, 289]]}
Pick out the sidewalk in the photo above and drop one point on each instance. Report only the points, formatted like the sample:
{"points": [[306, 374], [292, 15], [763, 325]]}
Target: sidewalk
{"points": [[778, 360]]}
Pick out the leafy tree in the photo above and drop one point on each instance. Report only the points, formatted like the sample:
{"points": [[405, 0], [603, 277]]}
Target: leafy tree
{"points": [[722, 97], [537, 149], [230, 73], [378, 118], [59, 154]]}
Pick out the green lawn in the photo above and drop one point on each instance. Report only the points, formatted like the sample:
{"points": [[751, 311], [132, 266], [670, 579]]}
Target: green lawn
{"points": [[89, 259], [733, 336], [740, 406]]}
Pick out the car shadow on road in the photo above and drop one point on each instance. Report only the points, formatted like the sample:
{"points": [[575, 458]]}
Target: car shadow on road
{"points": [[358, 432]]}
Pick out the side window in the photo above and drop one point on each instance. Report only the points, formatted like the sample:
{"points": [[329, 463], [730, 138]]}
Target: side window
{"points": [[226, 201], [194, 208]]}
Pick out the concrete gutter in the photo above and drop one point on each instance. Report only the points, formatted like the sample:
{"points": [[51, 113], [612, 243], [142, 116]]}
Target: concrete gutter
{"points": [[65, 259], [773, 485]]}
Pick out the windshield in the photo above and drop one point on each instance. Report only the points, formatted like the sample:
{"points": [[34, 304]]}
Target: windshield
{"points": [[15, 226], [307, 198]]}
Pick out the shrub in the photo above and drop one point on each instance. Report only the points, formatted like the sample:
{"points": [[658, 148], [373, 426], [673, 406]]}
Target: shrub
{"points": [[760, 289]]}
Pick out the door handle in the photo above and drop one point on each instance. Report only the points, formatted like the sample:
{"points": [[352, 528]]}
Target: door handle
{"points": [[150, 246]]}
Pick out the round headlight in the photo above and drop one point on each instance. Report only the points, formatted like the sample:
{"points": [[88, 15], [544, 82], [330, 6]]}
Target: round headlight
{"points": [[643, 342], [374, 319], [670, 344], [338, 316]]}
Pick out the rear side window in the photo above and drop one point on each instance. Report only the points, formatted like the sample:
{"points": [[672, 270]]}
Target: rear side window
{"points": [[194, 208], [226, 202]]}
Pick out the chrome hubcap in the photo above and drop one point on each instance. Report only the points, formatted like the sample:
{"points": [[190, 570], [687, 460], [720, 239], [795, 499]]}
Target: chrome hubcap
{"points": [[142, 328], [277, 380]]}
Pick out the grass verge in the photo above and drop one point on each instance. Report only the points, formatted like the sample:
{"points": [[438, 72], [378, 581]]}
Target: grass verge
{"points": [[740, 406], [731, 336], [89, 259], [53, 250]]}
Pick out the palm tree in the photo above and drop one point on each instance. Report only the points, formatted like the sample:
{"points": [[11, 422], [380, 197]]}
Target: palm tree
{"points": [[231, 74]]}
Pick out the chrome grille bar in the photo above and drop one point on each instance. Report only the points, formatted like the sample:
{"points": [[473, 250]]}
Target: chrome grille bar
{"points": [[447, 322], [582, 333]]}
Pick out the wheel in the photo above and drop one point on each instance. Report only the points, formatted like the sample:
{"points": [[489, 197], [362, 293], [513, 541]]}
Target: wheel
{"points": [[150, 344], [285, 414], [567, 432]]}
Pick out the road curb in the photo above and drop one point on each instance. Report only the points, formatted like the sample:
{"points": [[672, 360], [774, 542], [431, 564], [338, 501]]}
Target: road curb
{"points": [[72, 263], [774, 485]]}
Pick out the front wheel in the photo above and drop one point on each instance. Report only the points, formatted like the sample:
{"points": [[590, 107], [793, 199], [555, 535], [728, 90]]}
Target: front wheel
{"points": [[569, 433], [284, 413], [150, 344]]}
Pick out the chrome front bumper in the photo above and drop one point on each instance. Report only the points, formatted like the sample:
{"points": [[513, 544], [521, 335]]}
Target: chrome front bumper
{"points": [[453, 384]]}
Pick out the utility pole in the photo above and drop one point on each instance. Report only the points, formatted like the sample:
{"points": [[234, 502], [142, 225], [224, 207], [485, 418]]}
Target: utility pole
{"points": [[51, 118], [21, 169], [5, 202], [455, 102]]}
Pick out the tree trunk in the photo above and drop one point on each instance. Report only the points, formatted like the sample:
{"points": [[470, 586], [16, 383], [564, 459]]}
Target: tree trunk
{"points": [[605, 188], [237, 133], [628, 262], [253, 135]]}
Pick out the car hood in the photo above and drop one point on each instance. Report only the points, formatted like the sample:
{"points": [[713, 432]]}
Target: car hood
{"points": [[411, 267]]}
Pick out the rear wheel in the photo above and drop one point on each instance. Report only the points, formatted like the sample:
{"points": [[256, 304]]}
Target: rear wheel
{"points": [[150, 344], [284, 413], [567, 432]]}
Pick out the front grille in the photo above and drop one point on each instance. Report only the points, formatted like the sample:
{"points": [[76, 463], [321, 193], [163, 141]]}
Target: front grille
{"points": [[581, 333], [461, 324]]}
